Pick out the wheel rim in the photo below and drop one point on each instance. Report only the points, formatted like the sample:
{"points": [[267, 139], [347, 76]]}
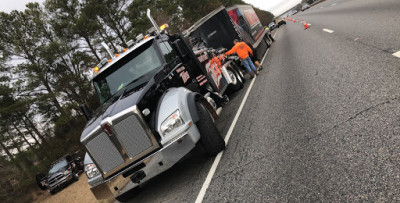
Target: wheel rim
{"points": [[233, 77]]}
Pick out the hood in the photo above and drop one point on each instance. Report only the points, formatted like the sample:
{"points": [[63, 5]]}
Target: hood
{"points": [[59, 172], [110, 108]]}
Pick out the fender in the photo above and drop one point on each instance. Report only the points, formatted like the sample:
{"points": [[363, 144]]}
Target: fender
{"points": [[183, 100]]}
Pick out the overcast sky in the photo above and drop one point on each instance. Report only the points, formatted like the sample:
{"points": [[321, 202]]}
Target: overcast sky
{"points": [[276, 7]]}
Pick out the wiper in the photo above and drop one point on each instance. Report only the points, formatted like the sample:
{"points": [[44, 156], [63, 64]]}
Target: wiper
{"points": [[133, 81]]}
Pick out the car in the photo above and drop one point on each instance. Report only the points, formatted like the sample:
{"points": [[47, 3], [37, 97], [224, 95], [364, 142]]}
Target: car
{"points": [[280, 23], [271, 26], [305, 6], [62, 172]]}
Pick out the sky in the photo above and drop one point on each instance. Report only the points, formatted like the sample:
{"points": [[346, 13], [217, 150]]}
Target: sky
{"points": [[276, 7], [9, 5]]}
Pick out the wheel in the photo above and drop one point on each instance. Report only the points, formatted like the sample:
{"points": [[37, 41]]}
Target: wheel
{"points": [[239, 71], [236, 83], [75, 176], [52, 192], [211, 140]]}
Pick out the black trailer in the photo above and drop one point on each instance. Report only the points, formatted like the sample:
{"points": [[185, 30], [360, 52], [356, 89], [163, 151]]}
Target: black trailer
{"points": [[220, 27]]}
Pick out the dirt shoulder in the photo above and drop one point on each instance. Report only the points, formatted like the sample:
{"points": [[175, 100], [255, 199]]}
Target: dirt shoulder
{"points": [[76, 192]]}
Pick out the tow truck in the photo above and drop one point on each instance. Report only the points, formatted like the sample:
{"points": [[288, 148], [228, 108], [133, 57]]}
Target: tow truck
{"points": [[158, 102]]}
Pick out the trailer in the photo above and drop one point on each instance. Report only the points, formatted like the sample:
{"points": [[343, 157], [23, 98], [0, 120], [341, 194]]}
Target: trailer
{"points": [[220, 27]]}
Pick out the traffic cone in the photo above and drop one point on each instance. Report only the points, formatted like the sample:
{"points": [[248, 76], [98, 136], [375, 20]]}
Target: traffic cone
{"points": [[306, 26], [294, 20]]}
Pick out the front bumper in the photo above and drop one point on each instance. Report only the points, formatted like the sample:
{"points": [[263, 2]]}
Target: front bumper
{"points": [[154, 164], [60, 183]]}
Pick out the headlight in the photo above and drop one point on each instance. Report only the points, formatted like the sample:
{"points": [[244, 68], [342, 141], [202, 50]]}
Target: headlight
{"points": [[66, 172], [172, 122], [91, 170]]}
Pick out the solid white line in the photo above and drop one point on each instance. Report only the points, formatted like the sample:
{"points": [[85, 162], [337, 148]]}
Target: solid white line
{"points": [[396, 54], [327, 30], [214, 166], [333, 4]]}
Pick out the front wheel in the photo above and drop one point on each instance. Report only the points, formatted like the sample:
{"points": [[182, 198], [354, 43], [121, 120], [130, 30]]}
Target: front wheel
{"points": [[211, 140], [75, 176]]}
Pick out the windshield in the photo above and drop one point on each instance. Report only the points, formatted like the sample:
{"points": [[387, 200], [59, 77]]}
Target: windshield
{"points": [[130, 69], [59, 165]]}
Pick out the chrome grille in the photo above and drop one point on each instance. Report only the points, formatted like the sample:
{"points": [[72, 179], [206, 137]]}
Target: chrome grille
{"points": [[104, 152], [132, 136]]}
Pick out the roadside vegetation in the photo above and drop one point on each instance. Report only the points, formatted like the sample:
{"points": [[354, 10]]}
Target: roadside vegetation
{"points": [[46, 55]]}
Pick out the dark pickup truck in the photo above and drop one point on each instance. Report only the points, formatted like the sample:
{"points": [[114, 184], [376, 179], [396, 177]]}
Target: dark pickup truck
{"points": [[61, 173]]}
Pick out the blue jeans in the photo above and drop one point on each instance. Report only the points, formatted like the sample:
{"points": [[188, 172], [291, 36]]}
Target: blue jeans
{"points": [[248, 63]]}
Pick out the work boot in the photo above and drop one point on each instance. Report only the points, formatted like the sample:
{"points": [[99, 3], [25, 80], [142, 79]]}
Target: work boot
{"points": [[260, 68], [256, 72], [251, 75]]}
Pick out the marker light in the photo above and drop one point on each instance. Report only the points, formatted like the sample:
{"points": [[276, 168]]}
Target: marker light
{"points": [[109, 60], [147, 36], [116, 55], [162, 27], [96, 69], [125, 49]]}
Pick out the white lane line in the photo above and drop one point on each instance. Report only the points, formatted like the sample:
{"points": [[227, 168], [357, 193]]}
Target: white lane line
{"points": [[396, 54], [214, 166], [327, 30], [333, 4]]}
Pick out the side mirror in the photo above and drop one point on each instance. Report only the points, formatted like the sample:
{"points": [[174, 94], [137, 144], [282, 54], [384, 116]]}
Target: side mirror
{"points": [[86, 111], [180, 47]]}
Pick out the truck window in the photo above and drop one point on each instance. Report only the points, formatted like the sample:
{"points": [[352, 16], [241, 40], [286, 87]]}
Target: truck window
{"points": [[138, 67], [169, 54]]}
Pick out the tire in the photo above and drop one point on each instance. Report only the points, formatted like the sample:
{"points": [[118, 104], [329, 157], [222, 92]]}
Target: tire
{"points": [[239, 71], [236, 82], [52, 192], [75, 176], [211, 140]]}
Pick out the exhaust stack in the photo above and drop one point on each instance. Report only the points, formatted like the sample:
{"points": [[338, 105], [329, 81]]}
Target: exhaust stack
{"points": [[153, 22], [107, 48]]}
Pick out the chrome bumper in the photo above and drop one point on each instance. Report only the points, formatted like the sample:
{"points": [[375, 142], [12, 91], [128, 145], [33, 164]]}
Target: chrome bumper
{"points": [[64, 180], [154, 164]]}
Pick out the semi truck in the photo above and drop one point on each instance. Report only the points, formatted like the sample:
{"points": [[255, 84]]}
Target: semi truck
{"points": [[158, 102]]}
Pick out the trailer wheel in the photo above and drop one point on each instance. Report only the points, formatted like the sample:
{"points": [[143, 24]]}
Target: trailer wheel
{"points": [[238, 69], [211, 140], [237, 83]]}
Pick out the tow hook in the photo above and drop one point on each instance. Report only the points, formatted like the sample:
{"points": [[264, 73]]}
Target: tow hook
{"points": [[138, 176]]}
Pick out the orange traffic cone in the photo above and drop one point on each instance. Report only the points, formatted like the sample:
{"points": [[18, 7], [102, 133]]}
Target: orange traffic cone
{"points": [[305, 25]]}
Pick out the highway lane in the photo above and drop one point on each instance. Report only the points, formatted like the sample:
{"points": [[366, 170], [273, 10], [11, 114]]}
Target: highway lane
{"points": [[322, 121], [374, 23], [321, 124]]}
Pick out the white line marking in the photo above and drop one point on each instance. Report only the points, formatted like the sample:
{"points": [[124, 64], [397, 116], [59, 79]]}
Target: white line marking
{"points": [[396, 54], [333, 4], [308, 24], [327, 30], [214, 166]]}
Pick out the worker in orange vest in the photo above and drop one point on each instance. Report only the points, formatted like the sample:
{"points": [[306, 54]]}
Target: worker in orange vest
{"points": [[242, 50]]}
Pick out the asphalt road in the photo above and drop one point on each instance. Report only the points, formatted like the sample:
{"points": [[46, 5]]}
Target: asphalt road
{"points": [[321, 122]]}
